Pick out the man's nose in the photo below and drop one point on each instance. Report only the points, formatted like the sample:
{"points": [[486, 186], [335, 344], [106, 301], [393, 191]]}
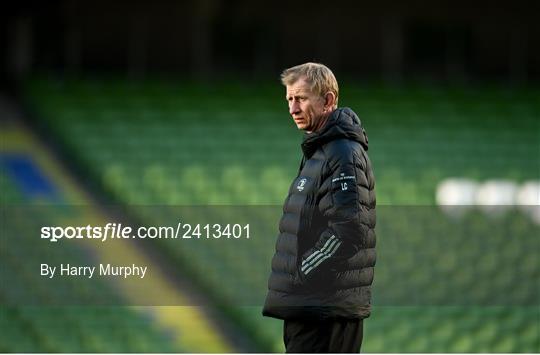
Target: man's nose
{"points": [[294, 107]]}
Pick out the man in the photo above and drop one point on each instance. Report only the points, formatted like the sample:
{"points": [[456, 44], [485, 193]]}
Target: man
{"points": [[322, 270]]}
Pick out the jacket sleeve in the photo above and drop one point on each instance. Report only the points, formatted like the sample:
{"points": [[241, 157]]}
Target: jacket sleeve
{"points": [[341, 207]]}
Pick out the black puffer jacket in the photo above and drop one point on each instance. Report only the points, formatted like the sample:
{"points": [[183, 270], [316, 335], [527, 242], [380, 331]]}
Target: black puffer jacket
{"points": [[325, 251]]}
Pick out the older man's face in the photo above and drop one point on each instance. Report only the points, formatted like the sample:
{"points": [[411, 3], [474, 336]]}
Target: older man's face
{"points": [[305, 107]]}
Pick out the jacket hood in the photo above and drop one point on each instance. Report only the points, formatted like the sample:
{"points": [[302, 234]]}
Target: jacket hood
{"points": [[342, 123]]}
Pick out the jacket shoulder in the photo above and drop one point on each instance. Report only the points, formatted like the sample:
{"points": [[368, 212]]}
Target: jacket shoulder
{"points": [[342, 150]]}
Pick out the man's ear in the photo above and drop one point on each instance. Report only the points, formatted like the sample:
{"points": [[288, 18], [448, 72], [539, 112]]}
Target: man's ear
{"points": [[329, 100]]}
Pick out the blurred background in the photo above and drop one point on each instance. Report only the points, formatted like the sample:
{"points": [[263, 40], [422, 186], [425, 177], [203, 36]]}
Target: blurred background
{"points": [[125, 110]]}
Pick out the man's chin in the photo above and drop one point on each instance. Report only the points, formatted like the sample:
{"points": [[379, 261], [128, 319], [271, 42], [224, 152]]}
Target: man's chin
{"points": [[301, 126]]}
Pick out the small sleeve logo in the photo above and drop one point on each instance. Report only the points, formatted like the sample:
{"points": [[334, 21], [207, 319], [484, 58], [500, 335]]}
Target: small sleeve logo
{"points": [[342, 177]]}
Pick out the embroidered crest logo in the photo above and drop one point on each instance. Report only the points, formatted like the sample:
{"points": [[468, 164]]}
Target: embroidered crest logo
{"points": [[301, 184]]}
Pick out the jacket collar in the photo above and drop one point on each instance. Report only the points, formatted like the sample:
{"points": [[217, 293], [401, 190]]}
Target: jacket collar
{"points": [[342, 123]]}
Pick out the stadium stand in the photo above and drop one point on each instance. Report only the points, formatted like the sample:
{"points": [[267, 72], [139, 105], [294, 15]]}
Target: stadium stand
{"points": [[442, 285]]}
